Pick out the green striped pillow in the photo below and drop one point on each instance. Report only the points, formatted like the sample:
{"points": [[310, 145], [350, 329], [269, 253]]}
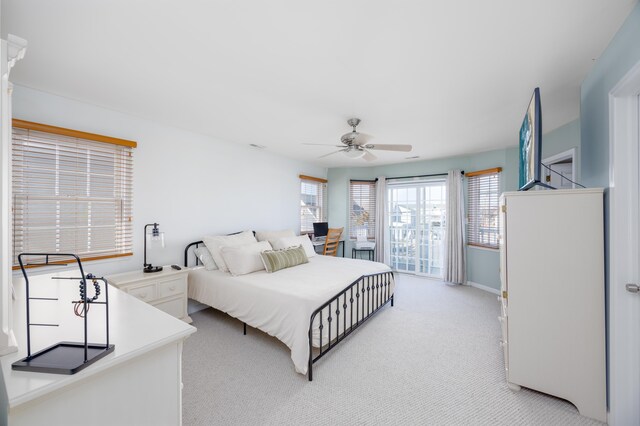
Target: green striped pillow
{"points": [[274, 260]]}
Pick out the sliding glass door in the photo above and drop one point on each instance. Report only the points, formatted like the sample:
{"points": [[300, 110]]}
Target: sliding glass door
{"points": [[416, 212]]}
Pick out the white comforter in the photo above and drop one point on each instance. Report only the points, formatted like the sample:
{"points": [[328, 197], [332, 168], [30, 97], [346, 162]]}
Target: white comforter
{"points": [[282, 302]]}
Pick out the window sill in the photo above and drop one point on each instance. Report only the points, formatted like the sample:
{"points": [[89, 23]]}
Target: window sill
{"points": [[483, 248]]}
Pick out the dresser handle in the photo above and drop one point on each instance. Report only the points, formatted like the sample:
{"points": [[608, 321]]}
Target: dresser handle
{"points": [[173, 287], [142, 295]]}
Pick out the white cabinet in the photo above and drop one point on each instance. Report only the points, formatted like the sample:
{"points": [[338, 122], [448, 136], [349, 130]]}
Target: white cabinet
{"points": [[166, 290], [553, 307], [139, 383]]}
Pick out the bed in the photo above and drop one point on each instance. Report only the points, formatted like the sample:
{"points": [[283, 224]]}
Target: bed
{"points": [[310, 307]]}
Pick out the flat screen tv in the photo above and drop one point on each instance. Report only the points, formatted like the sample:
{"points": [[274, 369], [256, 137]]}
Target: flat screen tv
{"points": [[531, 144]]}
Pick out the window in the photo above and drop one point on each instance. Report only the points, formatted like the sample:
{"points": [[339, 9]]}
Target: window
{"points": [[362, 208], [313, 202], [483, 198], [72, 193]]}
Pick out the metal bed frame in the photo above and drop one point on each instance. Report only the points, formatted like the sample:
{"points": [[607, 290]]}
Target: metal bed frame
{"points": [[367, 295]]}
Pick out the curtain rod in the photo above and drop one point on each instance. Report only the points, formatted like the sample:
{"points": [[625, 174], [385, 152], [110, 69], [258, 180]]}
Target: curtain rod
{"points": [[401, 177], [418, 176]]}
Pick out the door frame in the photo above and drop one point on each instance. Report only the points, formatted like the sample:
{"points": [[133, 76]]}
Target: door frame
{"points": [[623, 306], [565, 155]]}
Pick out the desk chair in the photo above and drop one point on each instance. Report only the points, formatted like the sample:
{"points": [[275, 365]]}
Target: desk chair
{"points": [[332, 242]]}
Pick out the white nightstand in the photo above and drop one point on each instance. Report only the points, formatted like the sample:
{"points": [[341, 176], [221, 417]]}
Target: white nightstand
{"points": [[166, 290]]}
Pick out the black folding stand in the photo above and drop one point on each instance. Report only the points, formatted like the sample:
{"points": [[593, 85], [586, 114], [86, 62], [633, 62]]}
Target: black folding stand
{"points": [[64, 357]]}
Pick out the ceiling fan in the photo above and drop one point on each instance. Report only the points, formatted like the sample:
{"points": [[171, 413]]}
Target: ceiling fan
{"points": [[355, 144]]}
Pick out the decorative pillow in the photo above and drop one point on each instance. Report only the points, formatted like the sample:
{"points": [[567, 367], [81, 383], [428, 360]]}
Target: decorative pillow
{"points": [[303, 240], [204, 256], [272, 236], [274, 260], [244, 259], [215, 243]]}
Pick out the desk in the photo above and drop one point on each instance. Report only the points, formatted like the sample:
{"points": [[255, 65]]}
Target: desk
{"points": [[138, 383], [317, 244]]}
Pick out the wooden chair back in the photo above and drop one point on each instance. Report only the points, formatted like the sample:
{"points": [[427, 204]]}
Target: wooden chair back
{"points": [[332, 242]]}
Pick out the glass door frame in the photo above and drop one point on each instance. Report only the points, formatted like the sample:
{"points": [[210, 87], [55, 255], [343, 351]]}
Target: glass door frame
{"points": [[423, 232]]}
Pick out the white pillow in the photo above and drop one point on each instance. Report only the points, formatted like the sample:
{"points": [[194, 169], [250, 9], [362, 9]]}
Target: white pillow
{"points": [[272, 236], [245, 259], [204, 256], [215, 243], [303, 240]]}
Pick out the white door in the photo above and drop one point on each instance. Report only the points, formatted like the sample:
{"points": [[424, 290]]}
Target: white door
{"points": [[624, 252], [562, 177]]}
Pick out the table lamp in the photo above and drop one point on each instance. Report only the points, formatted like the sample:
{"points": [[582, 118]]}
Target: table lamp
{"points": [[155, 238]]}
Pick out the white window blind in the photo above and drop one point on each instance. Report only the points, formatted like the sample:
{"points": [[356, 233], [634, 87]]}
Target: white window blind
{"points": [[313, 202], [362, 208], [70, 194], [483, 192]]}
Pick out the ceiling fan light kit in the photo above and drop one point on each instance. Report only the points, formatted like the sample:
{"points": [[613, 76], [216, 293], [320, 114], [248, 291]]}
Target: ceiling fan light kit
{"points": [[354, 153], [355, 144]]}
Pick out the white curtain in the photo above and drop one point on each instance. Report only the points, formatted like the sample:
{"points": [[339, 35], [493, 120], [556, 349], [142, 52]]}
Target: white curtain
{"points": [[454, 239], [382, 225]]}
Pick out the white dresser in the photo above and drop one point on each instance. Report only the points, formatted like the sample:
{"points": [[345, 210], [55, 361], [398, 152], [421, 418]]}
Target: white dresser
{"points": [[166, 290], [139, 383], [553, 307]]}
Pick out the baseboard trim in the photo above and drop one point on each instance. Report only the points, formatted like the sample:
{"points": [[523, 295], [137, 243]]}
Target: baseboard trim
{"points": [[484, 287]]}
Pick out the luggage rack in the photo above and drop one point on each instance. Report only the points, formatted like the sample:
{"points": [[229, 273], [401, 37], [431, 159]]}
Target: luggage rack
{"points": [[65, 357]]}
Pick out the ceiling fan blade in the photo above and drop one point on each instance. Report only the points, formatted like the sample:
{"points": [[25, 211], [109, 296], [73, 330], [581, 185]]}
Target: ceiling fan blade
{"points": [[368, 156], [331, 153], [362, 139], [322, 144], [402, 148]]}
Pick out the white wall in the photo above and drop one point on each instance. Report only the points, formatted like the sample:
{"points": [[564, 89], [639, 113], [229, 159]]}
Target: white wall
{"points": [[191, 184]]}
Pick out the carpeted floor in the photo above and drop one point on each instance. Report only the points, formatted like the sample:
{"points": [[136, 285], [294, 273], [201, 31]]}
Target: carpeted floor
{"points": [[432, 359]]}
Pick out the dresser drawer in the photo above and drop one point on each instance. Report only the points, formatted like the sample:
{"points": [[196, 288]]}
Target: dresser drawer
{"points": [[171, 287], [146, 293], [173, 307]]}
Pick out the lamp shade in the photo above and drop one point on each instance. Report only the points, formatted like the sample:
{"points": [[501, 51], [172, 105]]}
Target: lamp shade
{"points": [[154, 239]]}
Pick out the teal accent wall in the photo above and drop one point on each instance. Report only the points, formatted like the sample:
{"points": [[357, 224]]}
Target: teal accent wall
{"points": [[482, 264], [619, 57], [562, 139]]}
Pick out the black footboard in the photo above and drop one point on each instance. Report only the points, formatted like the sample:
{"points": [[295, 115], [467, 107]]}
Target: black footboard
{"points": [[347, 310]]}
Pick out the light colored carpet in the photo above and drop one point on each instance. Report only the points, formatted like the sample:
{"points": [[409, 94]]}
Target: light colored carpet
{"points": [[433, 358]]}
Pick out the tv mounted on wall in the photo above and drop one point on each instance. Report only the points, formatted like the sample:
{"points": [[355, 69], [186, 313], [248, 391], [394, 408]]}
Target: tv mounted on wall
{"points": [[531, 145]]}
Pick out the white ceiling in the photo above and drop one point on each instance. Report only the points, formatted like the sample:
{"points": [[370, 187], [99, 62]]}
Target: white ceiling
{"points": [[449, 77]]}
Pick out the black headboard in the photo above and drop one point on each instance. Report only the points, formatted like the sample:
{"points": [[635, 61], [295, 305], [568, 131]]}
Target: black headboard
{"points": [[186, 253], [197, 243]]}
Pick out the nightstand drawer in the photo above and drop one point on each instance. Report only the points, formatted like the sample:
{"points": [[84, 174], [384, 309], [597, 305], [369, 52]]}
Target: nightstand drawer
{"points": [[146, 293], [166, 290], [173, 307], [171, 287]]}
